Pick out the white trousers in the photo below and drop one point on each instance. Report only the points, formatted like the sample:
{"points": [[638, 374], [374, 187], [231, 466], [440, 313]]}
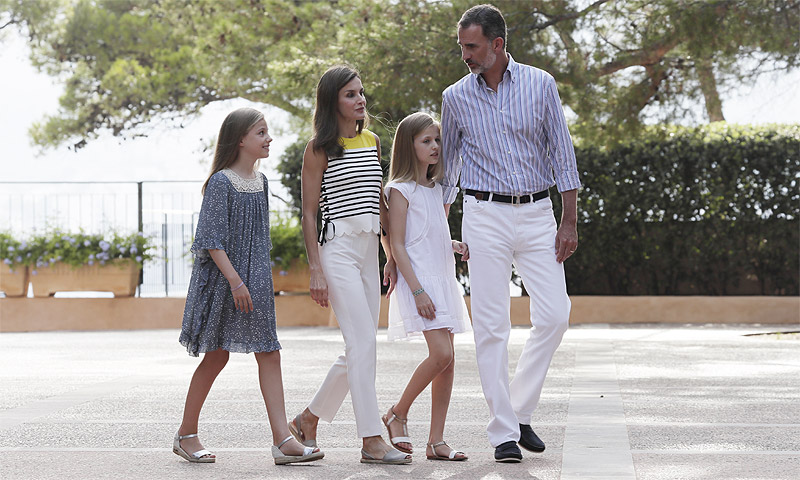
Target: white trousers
{"points": [[350, 264], [499, 234]]}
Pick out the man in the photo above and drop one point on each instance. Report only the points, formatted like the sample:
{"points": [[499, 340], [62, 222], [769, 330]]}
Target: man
{"points": [[504, 132]]}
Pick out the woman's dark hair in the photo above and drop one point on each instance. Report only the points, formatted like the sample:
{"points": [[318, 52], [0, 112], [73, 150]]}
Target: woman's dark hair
{"points": [[489, 17], [326, 125]]}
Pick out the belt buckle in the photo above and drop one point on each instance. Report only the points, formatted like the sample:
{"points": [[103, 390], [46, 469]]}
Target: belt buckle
{"points": [[516, 199]]}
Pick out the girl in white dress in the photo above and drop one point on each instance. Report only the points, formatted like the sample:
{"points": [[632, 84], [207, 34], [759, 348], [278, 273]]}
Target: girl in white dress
{"points": [[426, 298]]}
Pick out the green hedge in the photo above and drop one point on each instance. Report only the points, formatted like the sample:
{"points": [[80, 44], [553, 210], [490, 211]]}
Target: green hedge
{"points": [[711, 210], [702, 211]]}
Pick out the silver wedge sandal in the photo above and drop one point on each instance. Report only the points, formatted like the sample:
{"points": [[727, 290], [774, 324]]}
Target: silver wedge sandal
{"points": [[200, 456]]}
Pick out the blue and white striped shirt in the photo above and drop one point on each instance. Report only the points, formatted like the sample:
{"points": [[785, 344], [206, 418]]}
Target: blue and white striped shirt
{"points": [[514, 141]]}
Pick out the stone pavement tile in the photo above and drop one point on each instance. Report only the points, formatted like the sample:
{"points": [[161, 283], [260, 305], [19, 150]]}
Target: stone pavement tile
{"points": [[147, 465], [106, 404], [717, 437], [671, 466], [738, 404]]}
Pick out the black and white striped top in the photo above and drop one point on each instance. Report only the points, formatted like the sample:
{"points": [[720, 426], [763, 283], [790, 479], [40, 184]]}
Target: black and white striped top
{"points": [[351, 189]]}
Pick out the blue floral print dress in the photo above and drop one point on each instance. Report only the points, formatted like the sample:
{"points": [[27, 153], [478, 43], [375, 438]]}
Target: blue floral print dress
{"points": [[234, 217]]}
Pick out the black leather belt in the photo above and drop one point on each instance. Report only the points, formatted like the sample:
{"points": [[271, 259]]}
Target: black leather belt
{"points": [[513, 199]]}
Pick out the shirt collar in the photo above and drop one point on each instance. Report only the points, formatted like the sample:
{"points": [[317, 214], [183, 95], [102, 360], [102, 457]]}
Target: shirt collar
{"points": [[511, 72]]}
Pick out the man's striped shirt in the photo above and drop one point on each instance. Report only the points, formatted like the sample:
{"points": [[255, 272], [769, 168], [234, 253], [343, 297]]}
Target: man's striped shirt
{"points": [[514, 141]]}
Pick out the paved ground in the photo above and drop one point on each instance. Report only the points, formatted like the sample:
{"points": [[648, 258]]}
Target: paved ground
{"points": [[647, 402]]}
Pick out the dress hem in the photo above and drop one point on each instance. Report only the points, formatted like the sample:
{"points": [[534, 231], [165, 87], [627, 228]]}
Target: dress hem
{"points": [[265, 347]]}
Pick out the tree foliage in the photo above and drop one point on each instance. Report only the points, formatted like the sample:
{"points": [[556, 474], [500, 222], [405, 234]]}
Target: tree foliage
{"points": [[127, 62]]}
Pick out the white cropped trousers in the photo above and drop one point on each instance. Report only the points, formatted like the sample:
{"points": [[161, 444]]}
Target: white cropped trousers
{"points": [[350, 265], [499, 234]]}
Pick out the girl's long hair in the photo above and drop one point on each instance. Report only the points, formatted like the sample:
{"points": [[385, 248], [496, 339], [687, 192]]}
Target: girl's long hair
{"points": [[404, 163], [233, 129], [326, 125]]}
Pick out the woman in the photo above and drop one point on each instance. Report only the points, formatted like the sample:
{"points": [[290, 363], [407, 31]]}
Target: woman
{"points": [[342, 178]]}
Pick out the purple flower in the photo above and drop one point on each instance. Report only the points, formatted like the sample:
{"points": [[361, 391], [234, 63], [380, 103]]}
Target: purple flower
{"points": [[139, 258], [283, 273], [91, 256], [34, 272], [10, 248], [52, 260], [18, 259], [104, 245], [133, 249], [23, 244], [86, 243], [102, 262], [7, 261], [90, 262]]}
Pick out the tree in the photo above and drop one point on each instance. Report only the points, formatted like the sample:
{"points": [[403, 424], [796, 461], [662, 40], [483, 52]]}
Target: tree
{"points": [[127, 62], [620, 62]]}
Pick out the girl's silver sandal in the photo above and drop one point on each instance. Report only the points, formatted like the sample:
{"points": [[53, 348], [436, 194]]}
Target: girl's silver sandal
{"points": [[309, 454], [200, 456]]}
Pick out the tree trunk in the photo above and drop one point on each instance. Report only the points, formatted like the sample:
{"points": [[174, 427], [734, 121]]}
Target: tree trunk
{"points": [[708, 84]]}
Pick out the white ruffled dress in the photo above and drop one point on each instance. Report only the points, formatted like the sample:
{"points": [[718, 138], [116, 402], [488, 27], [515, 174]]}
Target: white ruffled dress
{"points": [[430, 249]]}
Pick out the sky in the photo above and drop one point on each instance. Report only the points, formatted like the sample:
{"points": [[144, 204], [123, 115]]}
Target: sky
{"points": [[176, 153]]}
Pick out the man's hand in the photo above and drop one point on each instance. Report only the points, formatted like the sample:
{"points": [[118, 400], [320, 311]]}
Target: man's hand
{"points": [[566, 241]]}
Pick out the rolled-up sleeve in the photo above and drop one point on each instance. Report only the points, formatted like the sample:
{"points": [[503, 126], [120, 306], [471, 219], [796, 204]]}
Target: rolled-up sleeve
{"points": [[561, 153], [451, 151]]}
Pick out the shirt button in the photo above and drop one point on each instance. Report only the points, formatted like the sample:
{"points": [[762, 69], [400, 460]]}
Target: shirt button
{"points": [[509, 151]]}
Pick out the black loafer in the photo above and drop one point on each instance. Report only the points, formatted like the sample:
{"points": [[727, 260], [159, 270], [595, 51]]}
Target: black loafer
{"points": [[529, 440], [508, 452]]}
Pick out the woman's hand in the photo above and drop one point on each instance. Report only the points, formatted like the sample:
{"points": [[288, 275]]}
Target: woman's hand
{"points": [[390, 276], [425, 306], [462, 249], [318, 287], [242, 299]]}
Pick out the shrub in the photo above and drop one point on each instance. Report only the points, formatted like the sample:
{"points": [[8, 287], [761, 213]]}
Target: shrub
{"points": [[286, 235], [75, 249], [690, 211]]}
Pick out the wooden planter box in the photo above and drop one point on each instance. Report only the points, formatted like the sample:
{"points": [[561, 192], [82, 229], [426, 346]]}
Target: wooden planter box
{"points": [[119, 278], [14, 284], [295, 279]]}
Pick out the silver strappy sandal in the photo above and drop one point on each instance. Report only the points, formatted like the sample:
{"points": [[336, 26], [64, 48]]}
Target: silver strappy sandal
{"points": [[395, 440], [309, 455], [453, 456], [200, 456], [392, 457], [297, 430]]}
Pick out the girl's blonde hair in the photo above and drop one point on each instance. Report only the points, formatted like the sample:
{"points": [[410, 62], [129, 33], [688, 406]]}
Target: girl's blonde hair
{"points": [[233, 129], [404, 163]]}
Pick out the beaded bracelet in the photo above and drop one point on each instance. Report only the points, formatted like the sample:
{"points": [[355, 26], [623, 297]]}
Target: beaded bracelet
{"points": [[419, 292], [238, 287]]}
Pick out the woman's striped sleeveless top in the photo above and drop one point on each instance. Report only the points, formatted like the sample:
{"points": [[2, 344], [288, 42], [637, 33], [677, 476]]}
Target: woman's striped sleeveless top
{"points": [[351, 188]]}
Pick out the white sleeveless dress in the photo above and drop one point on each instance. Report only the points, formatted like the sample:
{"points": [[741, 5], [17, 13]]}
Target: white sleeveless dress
{"points": [[430, 249]]}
